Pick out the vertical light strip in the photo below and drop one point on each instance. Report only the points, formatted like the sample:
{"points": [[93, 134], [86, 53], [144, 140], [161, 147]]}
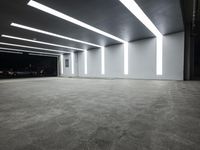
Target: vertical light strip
{"points": [[159, 55], [103, 60], [134, 8], [72, 62], [126, 58], [85, 62], [61, 64]]}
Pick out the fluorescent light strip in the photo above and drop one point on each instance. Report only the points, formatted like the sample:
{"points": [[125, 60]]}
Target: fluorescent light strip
{"points": [[103, 60], [138, 12], [72, 62], [85, 62], [10, 52], [134, 8], [61, 64], [159, 55], [27, 51], [70, 19], [46, 55], [31, 47], [51, 34], [126, 58], [40, 42]]}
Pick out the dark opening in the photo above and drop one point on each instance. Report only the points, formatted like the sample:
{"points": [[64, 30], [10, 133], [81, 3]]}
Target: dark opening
{"points": [[25, 65]]}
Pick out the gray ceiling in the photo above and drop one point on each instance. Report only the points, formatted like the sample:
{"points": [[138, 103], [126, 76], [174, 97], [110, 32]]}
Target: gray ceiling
{"points": [[108, 15]]}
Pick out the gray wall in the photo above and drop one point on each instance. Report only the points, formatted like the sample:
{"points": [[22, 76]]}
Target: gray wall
{"points": [[142, 60]]}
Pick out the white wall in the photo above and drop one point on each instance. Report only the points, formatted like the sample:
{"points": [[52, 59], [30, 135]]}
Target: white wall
{"points": [[114, 62], [94, 63], [173, 56], [67, 71], [142, 60]]}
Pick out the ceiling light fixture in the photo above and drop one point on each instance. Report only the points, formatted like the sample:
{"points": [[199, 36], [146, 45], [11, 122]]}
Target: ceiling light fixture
{"points": [[12, 52], [134, 8], [46, 55], [31, 47], [58, 14], [27, 51], [51, 34], [40, 42]]}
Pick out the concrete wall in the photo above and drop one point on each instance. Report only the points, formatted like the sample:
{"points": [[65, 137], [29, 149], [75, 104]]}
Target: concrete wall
{"points": [[142, 60]]}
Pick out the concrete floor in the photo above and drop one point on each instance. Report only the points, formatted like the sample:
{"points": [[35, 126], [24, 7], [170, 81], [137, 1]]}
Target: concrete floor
{"points": [[96, 114]]}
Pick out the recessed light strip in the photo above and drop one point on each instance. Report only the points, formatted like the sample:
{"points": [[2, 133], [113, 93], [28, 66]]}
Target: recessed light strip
{"points": [[133, 7], [72, 62], [27, 51], [61, 64], [46, 55], [103, 60], [40, 42], [51, 34], [12, 52], [31, 47], [126, 58], [71, 19], [85, 62]]}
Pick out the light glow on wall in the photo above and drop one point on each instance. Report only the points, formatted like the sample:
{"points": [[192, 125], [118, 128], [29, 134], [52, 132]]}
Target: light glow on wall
{"points": [[85, 62], [51, 34], [61, 64], [126, 58], [72, 62], [133, 7], [103, 60], [39, 42], [70, 19], [31, 47]]}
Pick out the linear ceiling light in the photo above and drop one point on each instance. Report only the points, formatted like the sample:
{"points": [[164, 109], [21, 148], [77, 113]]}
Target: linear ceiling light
{"points": [[51, 34], [49, 55], [134, 8], [12, 52], [71, 19], [27, 51], [40, 42], [31, 47]]}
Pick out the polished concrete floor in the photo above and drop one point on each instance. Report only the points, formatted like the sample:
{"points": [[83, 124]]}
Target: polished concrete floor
{"points": [[97, 114]]}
